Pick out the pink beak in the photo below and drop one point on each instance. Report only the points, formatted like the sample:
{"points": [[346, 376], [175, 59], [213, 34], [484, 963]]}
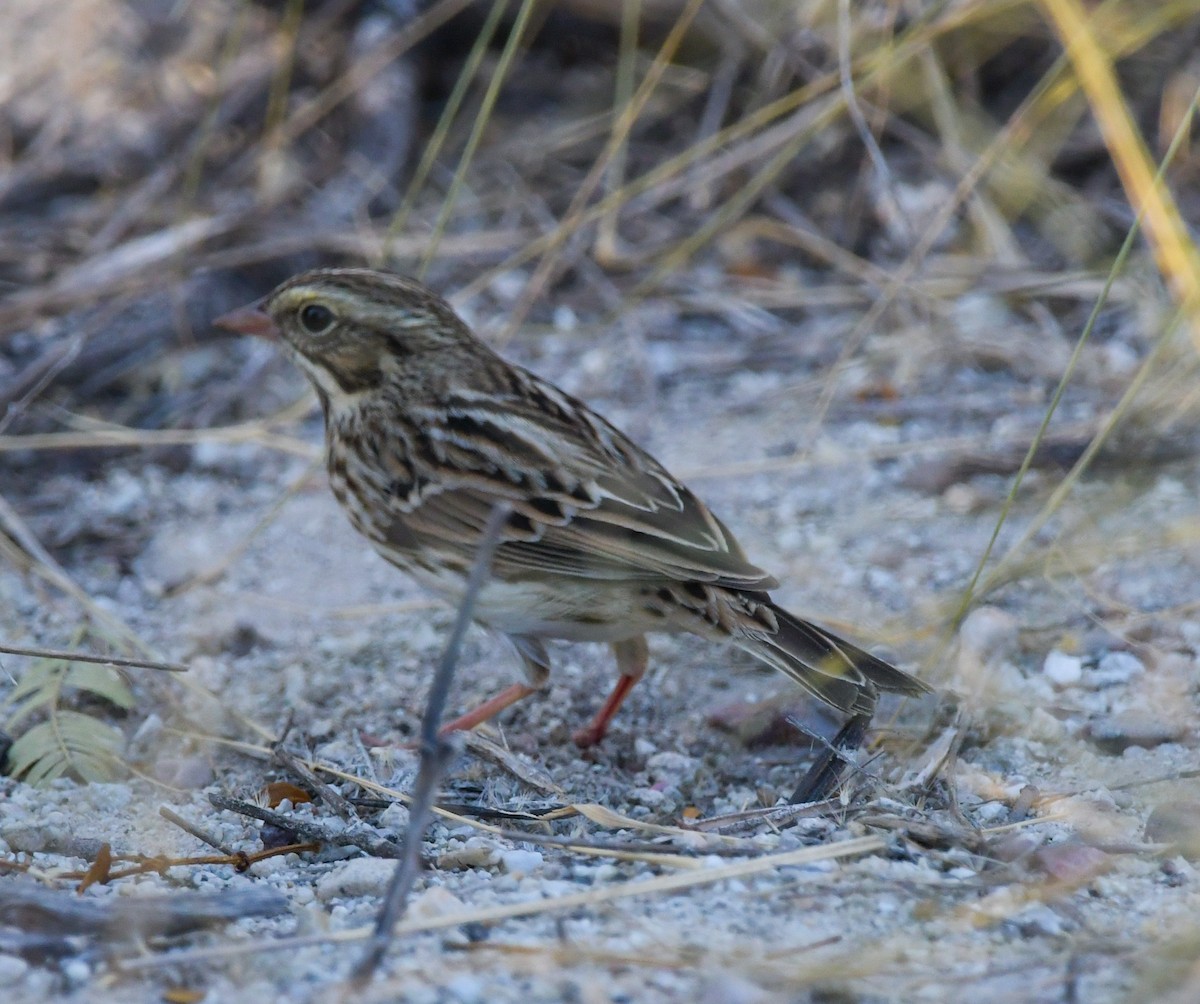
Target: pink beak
{"points": [[251, 320]]}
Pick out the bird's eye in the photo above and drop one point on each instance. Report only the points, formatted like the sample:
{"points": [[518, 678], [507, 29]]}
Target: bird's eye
{"points": [[316, 318]]}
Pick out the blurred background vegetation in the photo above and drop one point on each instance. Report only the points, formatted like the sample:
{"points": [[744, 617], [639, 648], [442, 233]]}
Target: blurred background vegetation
{"points": [[743, 162]]}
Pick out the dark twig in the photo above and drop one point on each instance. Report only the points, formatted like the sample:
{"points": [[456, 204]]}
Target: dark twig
{"points": [[436, 754], [752, 820], [376, 846], [618, 848], [33, 908], [103, 660], [825, 774], [323, 791]]}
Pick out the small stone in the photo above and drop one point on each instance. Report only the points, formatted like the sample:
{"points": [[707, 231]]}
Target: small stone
{"points": [[729, 988], [1062, 669], [649, 797], [1039, 921], [754, 722], [395, 817], [356, 877], [521, 861], [1114, 734], [1177, 823], [225, 458], [1044, 727], [672, 767], [435, 902], [1071, 862], [1116, 668], [990, 813], [989, 634], [963, 499], [565, 319], [474, 852], [466, 987], [77, 972], [644, 747], [11, 969], [187, 772]]}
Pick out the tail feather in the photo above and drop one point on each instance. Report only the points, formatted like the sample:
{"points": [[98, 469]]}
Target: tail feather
{"points": [[828, 667]]}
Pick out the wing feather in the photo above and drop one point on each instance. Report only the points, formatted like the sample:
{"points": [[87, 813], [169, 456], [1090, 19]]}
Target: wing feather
{"points": [[587, 501]]}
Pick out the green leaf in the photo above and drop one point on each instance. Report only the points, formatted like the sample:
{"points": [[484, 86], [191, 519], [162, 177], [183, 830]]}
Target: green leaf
{"points": [[104, 681], [67, 741], [39, 745], [43, 699], [43, 674]]}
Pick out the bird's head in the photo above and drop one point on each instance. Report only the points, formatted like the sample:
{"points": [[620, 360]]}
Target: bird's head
{"points": [[351, 330]]}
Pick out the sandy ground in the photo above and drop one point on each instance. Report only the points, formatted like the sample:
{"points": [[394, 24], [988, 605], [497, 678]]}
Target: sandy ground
{"points": [[1028, 833], [1026, 871]]}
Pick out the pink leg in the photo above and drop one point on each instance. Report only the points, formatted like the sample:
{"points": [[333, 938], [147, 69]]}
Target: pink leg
{"points": [[631, 661], [510, 695], [537, 672]]}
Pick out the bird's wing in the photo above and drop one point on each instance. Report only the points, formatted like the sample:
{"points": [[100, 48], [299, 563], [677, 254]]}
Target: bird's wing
{"points": [[586, 500]]}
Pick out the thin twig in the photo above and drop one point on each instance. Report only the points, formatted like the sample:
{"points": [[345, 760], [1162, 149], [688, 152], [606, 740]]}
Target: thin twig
{"points": [[68, 655], [887, 183], [374, 845], [22, 546], [191, 828], [526, 773], [436, 753], [323, 791]]}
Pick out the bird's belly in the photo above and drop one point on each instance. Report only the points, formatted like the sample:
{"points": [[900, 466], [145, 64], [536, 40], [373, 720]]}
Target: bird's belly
{"points": [[573, 610], [569, 609]]}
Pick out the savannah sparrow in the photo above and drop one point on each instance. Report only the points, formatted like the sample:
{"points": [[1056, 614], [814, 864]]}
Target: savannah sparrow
{"points": [[426, 428]]}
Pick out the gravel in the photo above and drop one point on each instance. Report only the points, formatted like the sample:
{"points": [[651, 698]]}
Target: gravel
{"points": [[1030, 868]]}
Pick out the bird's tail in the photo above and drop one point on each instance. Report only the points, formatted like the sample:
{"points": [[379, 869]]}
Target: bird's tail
{"points": [[828, 667]]}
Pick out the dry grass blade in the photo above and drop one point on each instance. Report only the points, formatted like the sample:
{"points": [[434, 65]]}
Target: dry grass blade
{"points": [[21, 546], [490, 96], [437, 140], [1119, 411], [106, 438], [1177, 254], [575, 215], [367, 66]]}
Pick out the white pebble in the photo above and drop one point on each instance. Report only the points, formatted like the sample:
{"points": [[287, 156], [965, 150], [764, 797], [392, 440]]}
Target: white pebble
{"points": [[990, 634], [11, 969], [1062, 669], [565, 318], [466, 987], [356, 877], [1118, 667], [394, 817], [521, 861], [435, 901], [77, 972], [644, 747]]}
